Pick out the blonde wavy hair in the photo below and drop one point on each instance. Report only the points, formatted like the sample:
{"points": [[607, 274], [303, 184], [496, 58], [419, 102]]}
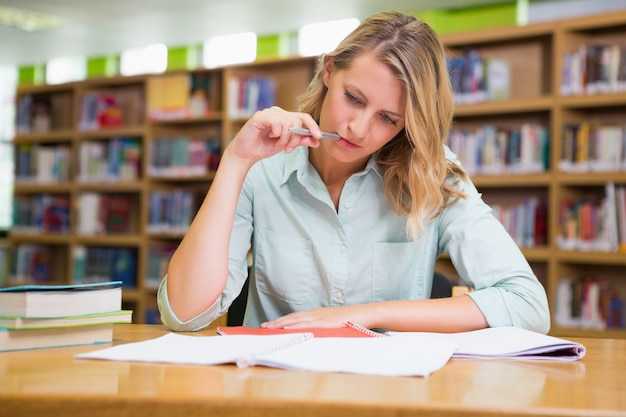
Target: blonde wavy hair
{"points": [[414, 166]]}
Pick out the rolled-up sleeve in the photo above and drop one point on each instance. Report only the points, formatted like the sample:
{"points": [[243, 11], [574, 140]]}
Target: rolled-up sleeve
{"points": [[506, 289], [169, 318]]}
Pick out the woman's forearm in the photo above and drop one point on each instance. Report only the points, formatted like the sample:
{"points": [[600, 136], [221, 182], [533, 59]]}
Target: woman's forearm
{"points": [[452, 314], [198, 270]]}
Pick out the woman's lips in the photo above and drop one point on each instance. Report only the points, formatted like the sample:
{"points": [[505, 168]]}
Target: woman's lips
{"points": [[345, 142]]}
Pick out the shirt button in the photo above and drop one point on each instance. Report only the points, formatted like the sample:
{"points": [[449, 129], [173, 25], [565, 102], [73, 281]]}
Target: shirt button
{"points": [[347, 205]]}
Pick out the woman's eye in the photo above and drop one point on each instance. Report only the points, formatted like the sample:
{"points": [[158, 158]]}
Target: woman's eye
{"points": [[351, 97], [389, 120]]}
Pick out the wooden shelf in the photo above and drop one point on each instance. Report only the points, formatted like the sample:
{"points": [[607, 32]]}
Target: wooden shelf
{"points": [[41, 188], [110, 240], [513, 180], [137, 130], [594, 258], [503, 107], [117, 186], [43, 137]]}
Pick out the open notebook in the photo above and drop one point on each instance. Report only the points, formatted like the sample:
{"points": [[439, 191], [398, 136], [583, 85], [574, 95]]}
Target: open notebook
{"points": [[400, 354], [508, 343]]}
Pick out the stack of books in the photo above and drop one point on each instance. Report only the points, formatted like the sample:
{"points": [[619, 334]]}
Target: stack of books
{"points": [[43, 316]]}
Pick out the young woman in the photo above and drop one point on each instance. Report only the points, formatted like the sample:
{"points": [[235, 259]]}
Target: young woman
{"points": [[350, 229]]}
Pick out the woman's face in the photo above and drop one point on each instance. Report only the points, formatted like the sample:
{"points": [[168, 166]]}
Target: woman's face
{"points": [[364, 104]]}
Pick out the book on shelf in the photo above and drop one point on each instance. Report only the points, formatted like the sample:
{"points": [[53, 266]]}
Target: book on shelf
{"points": [[589, 303], [168, 97], [32, 263], [60, 300], [41, 213], [101, 110], [591, 225], [100, 264], [171, 211], [477, 77], [495, 150], [42, 164], [524, 221], [101, 213], [159, 256], [592, 147], [397, 354], [116, 159], [247, 94], [594, 68], [183, 157]]}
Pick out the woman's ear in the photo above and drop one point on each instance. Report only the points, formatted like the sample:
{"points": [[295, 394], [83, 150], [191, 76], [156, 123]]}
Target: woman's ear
{"points": [[328, 68]]}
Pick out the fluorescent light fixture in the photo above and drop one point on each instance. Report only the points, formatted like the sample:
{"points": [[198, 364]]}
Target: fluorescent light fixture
{"points": [[151, 59], [66, 69], [27, 20], [229, 49], [319, 38]]}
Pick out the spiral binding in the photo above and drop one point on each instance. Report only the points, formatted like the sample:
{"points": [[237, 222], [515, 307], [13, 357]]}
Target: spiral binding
{"points": [[364, 330], [250, 360]]}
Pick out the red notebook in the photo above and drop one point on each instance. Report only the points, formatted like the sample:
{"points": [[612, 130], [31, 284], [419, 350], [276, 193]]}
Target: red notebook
{"points": [[348, 330]]}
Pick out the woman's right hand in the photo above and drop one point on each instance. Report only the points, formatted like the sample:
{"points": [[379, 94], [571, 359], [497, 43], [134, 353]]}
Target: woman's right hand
{"points": [[267, 133]]}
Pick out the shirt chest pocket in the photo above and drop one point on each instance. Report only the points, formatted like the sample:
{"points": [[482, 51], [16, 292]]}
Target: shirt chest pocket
{"points": [[397, 272], [284, 267]]}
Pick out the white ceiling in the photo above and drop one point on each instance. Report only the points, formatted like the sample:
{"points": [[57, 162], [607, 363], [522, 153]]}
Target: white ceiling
{"points": [[100, 27]]}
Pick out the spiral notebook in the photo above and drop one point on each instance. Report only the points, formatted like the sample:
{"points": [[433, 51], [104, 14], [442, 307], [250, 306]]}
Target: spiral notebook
{"points": [[389, 356], [394, 354], [349, 329]]}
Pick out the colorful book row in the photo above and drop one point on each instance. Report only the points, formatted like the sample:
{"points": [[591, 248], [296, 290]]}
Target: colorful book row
{"points": [[247, 94], [112, 160], [100, 110], [594, 69], [476, 77], [592, 224], [492, 150], [33, 264], [158, 259], [183, 157], [589, 147], [41, 213], [42, 164], [100, 213], [525, 222], [590, 303], [102, 264], [171, 211]]}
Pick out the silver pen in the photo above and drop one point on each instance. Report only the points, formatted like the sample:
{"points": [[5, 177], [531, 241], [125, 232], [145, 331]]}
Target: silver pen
{"points": [[306, 132]]}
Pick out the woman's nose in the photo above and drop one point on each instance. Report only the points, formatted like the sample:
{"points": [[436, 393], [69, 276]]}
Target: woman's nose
{"points": [[359, 125]]}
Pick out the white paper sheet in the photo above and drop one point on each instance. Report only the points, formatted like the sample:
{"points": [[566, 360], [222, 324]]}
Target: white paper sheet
{"points": [[411, 355]]}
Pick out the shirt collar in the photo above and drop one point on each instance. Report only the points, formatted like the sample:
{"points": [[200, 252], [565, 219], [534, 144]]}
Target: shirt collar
{"points": [[298, 161]]}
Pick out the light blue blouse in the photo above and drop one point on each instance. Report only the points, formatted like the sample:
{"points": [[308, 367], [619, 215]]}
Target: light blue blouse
{"points": [[306, 254]]}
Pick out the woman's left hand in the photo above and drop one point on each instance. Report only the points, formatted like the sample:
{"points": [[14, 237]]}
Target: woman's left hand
{"points": [[321, 317]]}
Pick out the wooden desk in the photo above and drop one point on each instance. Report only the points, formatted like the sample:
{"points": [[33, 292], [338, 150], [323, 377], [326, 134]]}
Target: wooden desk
{"points": [[50, 382]]}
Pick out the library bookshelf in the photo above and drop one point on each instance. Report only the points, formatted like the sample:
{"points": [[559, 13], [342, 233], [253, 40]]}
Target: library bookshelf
{"points": [[205, 106], [109, 172]]}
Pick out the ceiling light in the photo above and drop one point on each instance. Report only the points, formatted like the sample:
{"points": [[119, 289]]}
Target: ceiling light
{"points": [[27, 20], [319, 38]]}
